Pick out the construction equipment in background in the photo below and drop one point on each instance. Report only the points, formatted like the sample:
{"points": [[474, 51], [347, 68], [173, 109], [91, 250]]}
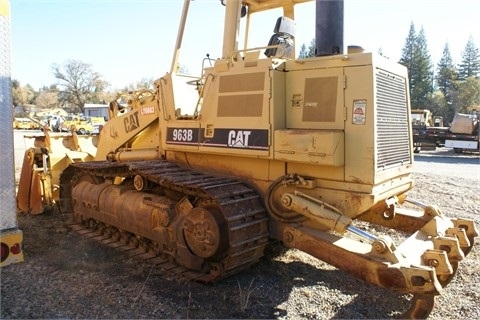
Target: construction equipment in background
{"points": [[43, 113], [78, 123], [81, 124], [422, 118], [429, 133], [25, 124], [51, 117]]}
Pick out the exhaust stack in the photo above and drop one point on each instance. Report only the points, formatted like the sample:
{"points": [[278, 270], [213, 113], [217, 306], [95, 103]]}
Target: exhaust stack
{"points": [[329, 27]]}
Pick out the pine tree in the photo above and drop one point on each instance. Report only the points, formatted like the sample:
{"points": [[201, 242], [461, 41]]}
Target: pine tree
{"points": [[303, 52], [407, 52], [311, 48], [470, 65], [307, 52], [416, 58], [446, 72], [446, 81]]}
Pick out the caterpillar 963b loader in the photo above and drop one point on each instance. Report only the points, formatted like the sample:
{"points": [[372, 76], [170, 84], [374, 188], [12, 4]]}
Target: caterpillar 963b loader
{"points": [[200, 172]]}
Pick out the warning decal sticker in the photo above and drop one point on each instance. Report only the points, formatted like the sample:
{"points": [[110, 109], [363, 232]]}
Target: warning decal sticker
{"points": [[358, 114]]}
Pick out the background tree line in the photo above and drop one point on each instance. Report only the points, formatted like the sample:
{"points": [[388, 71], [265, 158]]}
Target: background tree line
{"points": [[77, 84], [448, 89], [452, 88]]}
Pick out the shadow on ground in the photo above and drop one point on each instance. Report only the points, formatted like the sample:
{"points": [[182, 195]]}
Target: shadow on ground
{"points": [[68, 276]]}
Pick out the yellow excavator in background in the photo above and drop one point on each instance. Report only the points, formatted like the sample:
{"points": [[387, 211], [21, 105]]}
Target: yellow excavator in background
{"points": [[200, 172]]}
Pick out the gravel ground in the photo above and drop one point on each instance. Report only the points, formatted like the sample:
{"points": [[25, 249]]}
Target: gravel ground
{"points": [[67, 276]]}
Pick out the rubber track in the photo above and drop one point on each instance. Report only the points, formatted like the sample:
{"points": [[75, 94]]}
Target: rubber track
{"points": [[240, 205]]}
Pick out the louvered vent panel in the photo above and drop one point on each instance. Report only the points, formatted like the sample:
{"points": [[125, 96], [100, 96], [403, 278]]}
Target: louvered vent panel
{"points": [[392, 121]]}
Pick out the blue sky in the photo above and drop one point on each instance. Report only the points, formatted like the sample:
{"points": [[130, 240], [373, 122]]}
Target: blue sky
{"points": [[127, 40]]}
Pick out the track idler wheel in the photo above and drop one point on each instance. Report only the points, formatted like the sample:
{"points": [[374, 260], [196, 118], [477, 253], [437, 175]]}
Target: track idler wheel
{"points": [[202, 232]]}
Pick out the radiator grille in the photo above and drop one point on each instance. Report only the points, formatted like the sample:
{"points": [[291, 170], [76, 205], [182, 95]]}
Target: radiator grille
{"points": [[393, 147]]}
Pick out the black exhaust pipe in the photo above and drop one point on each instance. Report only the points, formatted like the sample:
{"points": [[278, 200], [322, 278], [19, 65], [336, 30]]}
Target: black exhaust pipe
{"points": [[329, 27]]}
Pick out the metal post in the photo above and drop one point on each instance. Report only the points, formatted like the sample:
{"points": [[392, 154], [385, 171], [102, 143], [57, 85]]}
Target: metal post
{"points": [[178, 43], [10, 237], [231, 28]]}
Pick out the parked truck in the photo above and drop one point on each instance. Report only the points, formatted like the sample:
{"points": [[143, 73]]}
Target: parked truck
{"points": [[429, 133]]}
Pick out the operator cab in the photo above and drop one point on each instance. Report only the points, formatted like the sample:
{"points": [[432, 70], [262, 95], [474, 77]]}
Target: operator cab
{"points": [[241, 49]]}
